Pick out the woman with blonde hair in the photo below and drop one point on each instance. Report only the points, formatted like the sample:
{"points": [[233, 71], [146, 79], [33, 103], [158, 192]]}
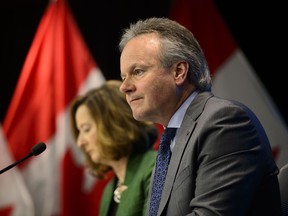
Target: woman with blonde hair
{"points": [[112, 140]]}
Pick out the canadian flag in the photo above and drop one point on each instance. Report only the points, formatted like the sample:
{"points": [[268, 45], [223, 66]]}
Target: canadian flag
{"points": [[57, 68], [233, 76]]}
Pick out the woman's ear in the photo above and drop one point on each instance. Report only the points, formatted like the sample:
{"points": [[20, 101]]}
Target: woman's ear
{"points": [[181, 72]]}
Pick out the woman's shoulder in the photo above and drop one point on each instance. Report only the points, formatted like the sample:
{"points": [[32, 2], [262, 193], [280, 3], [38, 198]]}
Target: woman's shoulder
{"points": [[141, 163], [145, 156], [148, 156]]}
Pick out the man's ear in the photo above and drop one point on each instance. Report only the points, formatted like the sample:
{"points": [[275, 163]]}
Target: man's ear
{"points": [[181, 72]]}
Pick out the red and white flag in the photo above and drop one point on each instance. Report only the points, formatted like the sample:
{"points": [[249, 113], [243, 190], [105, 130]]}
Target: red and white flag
{"points": [[15, 199], [57, 68], [233, 76]]}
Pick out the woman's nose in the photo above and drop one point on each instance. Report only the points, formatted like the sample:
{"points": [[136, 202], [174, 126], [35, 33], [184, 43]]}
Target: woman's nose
{"points": [[80, 142]]}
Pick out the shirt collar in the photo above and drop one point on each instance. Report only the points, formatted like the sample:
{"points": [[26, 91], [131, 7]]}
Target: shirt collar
{"points": [[178, 116]]}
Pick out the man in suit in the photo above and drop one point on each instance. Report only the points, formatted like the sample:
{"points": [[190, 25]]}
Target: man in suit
{"points": [[221, 162]]}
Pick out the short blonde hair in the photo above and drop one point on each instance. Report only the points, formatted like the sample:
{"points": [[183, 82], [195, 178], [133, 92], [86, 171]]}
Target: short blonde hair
{"points": [[118, 131]]}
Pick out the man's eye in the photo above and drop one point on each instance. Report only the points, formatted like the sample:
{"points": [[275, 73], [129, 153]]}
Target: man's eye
{"points": [[138, 72]]}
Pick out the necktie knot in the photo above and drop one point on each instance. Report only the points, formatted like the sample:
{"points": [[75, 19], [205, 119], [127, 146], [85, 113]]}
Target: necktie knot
{"points": [[167, 136]]}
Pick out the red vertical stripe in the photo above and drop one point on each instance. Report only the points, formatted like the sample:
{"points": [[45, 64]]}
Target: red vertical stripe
{"points": [[206, 23], [57, 64]]}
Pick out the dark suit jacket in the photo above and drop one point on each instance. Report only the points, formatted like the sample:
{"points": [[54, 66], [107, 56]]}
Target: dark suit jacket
{"points": [[283, 183], [134, 199], [221, 163]]}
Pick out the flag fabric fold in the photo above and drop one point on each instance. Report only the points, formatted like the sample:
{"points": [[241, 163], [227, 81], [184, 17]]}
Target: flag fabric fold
{"points": [[233, 76], [58, 66]]}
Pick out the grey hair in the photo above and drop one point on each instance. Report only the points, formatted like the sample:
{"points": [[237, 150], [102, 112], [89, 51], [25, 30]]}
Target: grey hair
{"points": [[177, 44]]}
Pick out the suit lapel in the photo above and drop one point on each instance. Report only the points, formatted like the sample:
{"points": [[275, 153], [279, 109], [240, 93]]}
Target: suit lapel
{"points": [[182, 137]]}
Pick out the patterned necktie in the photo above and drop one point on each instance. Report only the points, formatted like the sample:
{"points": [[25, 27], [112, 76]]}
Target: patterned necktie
{"points": [[162, 162]]}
